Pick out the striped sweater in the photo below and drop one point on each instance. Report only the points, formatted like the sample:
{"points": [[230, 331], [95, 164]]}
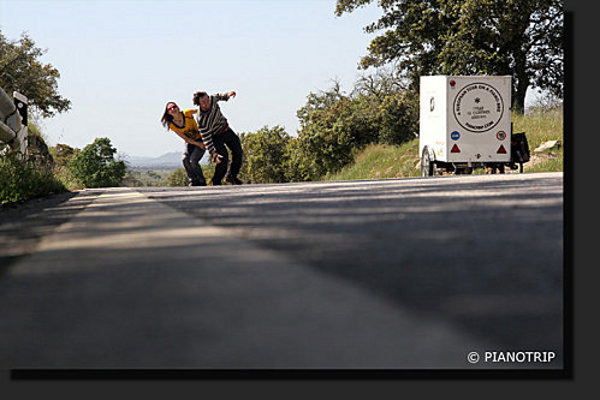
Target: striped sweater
{"points": [[212, 122]]}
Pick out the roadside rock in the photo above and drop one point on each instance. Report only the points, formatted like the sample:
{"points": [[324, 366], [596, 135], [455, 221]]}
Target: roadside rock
{"points": [[549, 145]]}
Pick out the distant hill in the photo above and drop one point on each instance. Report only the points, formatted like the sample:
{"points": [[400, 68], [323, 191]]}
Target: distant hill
{"points": [[170, 160]]}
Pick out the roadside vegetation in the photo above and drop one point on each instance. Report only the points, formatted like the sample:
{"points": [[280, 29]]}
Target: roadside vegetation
{"points": [[540, 125], [138, 177], [178, 177], [22, 179], [378, 161], [43, 170], [48, 170]]}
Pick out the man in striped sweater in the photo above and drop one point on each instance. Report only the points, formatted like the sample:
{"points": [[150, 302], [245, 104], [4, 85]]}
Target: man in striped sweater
{"points": [[216, 134]]}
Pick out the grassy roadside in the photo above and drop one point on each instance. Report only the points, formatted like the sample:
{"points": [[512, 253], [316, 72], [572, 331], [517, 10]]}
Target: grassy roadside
{"points": [[378, 161], [542, 126], [22, 180]]}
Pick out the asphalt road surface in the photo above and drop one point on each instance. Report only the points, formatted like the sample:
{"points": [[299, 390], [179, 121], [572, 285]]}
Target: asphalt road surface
{"points": [[381, 274]]}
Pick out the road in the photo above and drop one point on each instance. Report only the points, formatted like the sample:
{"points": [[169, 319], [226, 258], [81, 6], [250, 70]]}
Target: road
{"points": [[396, 274]]}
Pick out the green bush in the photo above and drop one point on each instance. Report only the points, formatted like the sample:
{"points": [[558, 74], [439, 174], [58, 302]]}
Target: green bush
{"points": [[95, 165], [335, 127], [299, 166], [264, 155], [22, 179], [330, 132], [399, 118]]}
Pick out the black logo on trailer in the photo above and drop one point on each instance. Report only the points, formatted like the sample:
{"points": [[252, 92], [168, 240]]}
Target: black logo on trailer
{"points": [[478, 107]]}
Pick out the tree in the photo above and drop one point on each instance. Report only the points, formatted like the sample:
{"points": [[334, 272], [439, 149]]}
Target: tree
{"points": [[522, 38], [395, 107], [327, 131], [95, 165], [21, 70], [63, 153], [265, 155]]}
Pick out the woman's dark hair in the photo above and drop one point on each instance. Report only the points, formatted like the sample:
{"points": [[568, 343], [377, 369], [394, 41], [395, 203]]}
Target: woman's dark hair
{"points": [[197, 97], [167, 118]]}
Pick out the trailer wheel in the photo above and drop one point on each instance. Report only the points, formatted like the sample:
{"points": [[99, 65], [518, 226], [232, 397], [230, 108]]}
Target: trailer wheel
{"points": [[427, 164]]}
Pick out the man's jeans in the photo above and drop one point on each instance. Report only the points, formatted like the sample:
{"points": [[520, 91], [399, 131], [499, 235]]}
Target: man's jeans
{"points": [[231, 140]]}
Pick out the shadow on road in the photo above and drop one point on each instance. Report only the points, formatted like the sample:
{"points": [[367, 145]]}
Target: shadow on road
{"points": [[22, 227], [488, 255]]}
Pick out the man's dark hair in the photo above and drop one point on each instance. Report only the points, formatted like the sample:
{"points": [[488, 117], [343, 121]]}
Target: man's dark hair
{"points": [[197, 97]]}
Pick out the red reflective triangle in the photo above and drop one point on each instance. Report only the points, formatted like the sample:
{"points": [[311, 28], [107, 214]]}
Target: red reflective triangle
{"points": [[455, 149], [501, 150]]}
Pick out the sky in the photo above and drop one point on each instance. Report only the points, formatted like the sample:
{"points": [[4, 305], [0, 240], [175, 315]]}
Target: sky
{"points": [[122, 61]]}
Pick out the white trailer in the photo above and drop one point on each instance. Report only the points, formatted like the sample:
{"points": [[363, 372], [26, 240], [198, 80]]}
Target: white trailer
{"points": [[465, 123]]}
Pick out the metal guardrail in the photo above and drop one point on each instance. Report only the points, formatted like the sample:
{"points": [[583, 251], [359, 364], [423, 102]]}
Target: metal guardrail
{"points": [[13, 121]]}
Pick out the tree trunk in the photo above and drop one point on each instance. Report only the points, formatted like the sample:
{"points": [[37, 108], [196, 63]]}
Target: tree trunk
{"points": [[521, 80], [520, 76], [518, 103]]}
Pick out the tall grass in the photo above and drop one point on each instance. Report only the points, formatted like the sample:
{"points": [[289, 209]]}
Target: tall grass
{"points": [[540, 125], [379, 161], [22, 179], [66, 178]]}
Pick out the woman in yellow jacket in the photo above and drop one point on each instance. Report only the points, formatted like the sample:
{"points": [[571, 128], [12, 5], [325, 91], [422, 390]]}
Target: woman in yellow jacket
{"points": [[186, 127]]}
